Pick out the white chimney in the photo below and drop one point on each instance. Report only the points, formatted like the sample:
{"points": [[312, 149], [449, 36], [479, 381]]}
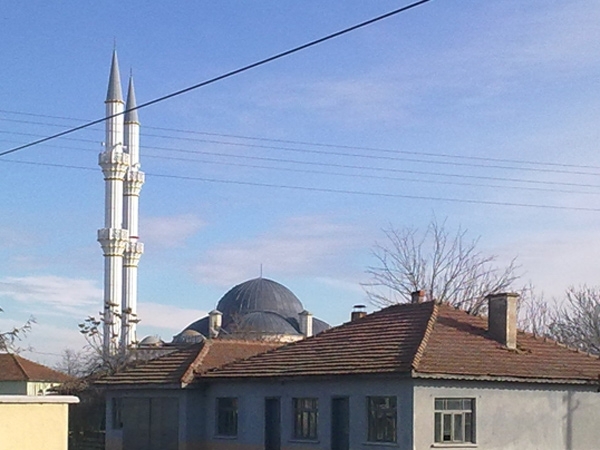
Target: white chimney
{"points": [[214, 323], [502, 318], [306, 323]]}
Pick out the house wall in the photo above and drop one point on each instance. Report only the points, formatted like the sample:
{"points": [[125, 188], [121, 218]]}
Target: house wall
{"points": [[25, 388], [515, 416], [251, 411], [34, 422], [146, 418]]}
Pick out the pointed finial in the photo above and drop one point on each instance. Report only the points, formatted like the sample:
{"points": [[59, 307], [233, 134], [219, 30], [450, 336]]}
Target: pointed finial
{"points": [[114, 81], [131, 114]]}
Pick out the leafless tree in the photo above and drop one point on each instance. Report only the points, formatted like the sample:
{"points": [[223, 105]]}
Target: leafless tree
{"points": [[536, 313], [576, 322], [9, 339], [448, 266]]}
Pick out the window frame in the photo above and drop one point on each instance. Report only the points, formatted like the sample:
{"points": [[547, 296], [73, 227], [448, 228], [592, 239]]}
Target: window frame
{"points": [[382, 419], [454, 420], [116, 420], [226, 416], [305, 413]]}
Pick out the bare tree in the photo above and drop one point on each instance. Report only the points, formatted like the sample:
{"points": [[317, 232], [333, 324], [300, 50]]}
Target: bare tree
{"points": [[576, 322], [449, 267], [9, 339]]}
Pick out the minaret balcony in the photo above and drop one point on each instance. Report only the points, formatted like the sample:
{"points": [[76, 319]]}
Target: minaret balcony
{"points": [[114, 163], [134, 179], [113, 240]]}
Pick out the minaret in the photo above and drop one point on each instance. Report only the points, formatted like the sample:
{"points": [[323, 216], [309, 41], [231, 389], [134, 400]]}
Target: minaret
{"points": [[134, 179], [113, 237]]}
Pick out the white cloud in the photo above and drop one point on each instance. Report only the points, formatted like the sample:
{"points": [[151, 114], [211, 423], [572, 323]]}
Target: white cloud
{"points": [[49, 294], [173, 231], [303, 245], [167, 317]]}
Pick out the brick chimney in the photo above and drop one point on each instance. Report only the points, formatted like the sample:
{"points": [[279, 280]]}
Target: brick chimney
{"points": [[417, 296], [502, 318], [306, 323], [358, 313], [214, 323]]}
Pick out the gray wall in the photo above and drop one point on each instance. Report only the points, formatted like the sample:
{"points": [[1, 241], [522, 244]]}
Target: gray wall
{"points": [[251, 398], [516, 416]]}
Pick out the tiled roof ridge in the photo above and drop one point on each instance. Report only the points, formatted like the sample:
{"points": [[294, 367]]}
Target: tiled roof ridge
{"points": [[16, 358], [423, 344], [188, 375]]}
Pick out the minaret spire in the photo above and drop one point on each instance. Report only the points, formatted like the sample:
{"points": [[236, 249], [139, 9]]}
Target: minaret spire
{"points": [[134, 179], [113, 237]]}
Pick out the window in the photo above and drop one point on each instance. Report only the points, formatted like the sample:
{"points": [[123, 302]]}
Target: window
{"points": [[227, 416], [117, 413], [454, 420], [306, 415], [381, 419]]}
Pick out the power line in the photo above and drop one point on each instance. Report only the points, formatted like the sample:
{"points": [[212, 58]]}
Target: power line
{"points": [[326, 153], [429, 174], [333, 191], [225, 75], [316, 144]]}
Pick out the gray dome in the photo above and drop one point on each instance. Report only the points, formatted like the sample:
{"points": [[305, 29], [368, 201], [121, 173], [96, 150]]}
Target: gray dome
{"points": [[265, 322], [153, 341], [259, 294], [188, 336]]}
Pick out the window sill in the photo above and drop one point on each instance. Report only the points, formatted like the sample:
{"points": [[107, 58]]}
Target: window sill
{"points": [[224, 437], [456, 445], [381, 444], [304, 441]]}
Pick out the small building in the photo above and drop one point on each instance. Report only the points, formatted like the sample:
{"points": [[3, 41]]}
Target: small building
{"points": [[159, 404], [412, 376], [20, 376]]}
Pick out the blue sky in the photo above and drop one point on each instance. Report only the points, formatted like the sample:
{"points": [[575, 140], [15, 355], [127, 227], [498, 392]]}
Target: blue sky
{"points": [[455, 109]]}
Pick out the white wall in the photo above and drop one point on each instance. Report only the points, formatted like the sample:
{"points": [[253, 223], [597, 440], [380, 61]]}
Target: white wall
{"points": [[516, 416]]}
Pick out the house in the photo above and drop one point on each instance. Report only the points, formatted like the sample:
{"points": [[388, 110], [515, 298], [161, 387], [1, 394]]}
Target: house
{"points": [[412, 376], [20, 376], [159, 404]]}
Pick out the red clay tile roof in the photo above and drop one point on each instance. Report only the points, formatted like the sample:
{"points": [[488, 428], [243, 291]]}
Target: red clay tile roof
{"points": [[423, 340], [181, 366], [15, 368]]}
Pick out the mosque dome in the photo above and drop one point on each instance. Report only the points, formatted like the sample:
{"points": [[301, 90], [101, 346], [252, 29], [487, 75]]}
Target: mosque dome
{"points": [[266, 322], [259, 294], [253, 309]]}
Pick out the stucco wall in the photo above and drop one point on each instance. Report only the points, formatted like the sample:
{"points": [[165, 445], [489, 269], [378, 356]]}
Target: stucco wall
{"points": [[34, 422], [251, 406], [188, 429], [516, 416]]}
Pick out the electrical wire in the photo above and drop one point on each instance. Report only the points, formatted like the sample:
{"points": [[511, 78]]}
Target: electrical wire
{"points": [[224, 76], [315, 144]]}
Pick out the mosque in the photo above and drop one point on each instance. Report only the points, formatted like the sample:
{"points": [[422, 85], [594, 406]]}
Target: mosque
{"points": [[258, 309]]}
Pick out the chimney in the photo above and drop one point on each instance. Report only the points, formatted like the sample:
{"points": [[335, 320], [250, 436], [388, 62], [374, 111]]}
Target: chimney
{"points": [[358, 313], [417, 296], [502, 318], [214, 323], [306, 323]]}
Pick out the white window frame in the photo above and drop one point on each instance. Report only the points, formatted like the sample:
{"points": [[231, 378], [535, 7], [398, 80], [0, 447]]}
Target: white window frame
{"points": [[454, 420]]}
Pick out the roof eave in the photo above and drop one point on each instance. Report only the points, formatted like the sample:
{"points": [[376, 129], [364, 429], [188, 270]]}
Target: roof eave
{"points": [[503, 378]]}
